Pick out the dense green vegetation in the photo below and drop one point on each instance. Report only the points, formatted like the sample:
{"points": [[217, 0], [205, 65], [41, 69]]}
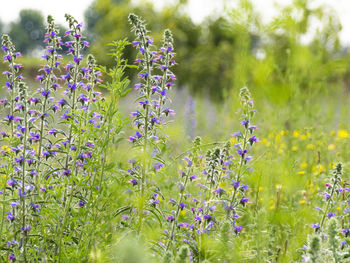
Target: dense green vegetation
{"points": [[130, 198]]}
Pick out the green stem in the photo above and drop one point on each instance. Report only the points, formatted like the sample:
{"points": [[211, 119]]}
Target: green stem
{"points": [[40, 146], [145, 143], [328, 202], [23, 184], [178, 211]]}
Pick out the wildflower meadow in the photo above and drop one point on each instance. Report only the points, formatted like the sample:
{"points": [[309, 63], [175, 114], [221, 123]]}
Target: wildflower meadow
{"points": [[115, 162]]}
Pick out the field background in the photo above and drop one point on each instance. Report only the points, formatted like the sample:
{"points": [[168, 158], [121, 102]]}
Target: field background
{"points": [[300, 88]]}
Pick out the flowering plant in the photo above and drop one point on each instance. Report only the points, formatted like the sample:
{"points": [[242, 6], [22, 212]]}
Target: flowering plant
{"points": [[55, 148]]}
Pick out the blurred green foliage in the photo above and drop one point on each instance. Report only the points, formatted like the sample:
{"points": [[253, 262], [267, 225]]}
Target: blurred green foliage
{"points": [[233, 49], [279, 60], [28, 32]]}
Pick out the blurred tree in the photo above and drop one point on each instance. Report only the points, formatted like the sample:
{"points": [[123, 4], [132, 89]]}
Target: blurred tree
{"points": [[204, 51], [1, 27], [28, 32]]}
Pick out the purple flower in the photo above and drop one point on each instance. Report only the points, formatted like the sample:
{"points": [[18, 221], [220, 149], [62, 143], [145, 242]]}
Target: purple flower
{"points": [[235, 184], [182, 205], [182, 225], [207, 217], [26, 229], [253, 139], [62, 102], [189, 162], [193, 177], [90, 144], [170, 218], [34, 100], [241, 152], [315, 226], [81, 203], [244, 200], [238, 229], [9, 118], [248, 158], [219, 191], [132, 139], [143, 75], [158, 165], [326, 195], [245, 123], [10, 216], [12, 257], [133, 182], [155, 120], [8, 58], [9, 84], [198, 219], [237, 134], [66, 116], [53, 131], [331, 214], [244, 187], [168, 111], [40, 77]]}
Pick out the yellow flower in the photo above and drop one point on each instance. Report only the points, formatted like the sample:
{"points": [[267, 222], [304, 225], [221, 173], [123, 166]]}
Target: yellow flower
{"points": [[310, 147], [296, 133], [260, 188], [182, 212], [5, 147], [302, 202], [303, 165], [303, 137], [301, 172], [294, 148], [272, 207], [318, 169], [343, 134], [266, 142], [332, 133], [278, 139], [338, 208], [233, 141], [331, 147]]}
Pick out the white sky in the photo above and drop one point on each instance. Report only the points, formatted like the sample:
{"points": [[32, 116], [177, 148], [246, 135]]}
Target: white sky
{"points": [[198, 9]]}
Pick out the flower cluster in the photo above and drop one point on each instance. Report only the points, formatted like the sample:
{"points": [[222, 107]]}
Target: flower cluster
{"points": [[18, 156], [155, 81], [332, 242], [211, 191], [53, 148]]}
